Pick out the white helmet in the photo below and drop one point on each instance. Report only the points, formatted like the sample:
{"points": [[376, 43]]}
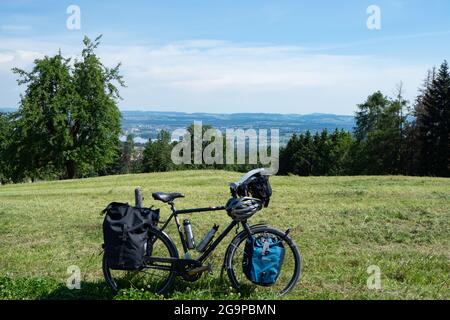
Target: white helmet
{"points": [[240, 209]]}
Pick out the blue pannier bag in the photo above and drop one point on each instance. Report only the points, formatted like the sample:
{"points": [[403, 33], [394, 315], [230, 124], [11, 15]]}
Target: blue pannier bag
{"points": [[263, 259]]}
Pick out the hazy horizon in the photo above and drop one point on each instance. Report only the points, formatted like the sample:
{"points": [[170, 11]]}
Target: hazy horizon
{"points": [[131, 109]]}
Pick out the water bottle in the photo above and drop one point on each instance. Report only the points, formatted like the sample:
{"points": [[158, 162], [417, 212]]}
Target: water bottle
{"points": [[190, 242], [207, 239]]}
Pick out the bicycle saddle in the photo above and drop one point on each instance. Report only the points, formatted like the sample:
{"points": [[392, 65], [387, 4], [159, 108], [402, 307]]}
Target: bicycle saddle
{"points": [[166, 197]]}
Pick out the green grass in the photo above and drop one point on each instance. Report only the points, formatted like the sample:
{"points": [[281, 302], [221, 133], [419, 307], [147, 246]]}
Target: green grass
{"points": [[342, 225]]}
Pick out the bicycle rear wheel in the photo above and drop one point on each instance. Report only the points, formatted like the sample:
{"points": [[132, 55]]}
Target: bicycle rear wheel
{"points": [[290, 271], [151, 277]]}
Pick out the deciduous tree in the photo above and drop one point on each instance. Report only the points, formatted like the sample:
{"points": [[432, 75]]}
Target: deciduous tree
{"points": [[69, 122]]}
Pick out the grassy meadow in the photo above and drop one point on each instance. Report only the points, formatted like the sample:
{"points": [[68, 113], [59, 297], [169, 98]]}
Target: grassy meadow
{"points": [[342, 225]]}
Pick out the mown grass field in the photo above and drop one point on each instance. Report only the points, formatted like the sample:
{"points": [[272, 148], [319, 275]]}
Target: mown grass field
{"points": [[342, 226]]}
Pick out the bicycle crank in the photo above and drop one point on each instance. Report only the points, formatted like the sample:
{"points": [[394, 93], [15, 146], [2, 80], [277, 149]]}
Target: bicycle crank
{"points": [[200, 270]]}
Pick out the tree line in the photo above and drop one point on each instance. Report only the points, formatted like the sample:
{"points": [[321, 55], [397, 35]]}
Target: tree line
{"points": [[155, 156], [68, 126], [391, 136]]}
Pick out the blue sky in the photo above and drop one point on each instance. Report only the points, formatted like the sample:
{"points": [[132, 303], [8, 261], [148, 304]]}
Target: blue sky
{"points": [[237, 56]]}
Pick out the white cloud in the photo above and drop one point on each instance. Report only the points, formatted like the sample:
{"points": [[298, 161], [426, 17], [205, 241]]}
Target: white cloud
{"points": [[13, 28], [28, 56], [6, 57], [219, 76]]}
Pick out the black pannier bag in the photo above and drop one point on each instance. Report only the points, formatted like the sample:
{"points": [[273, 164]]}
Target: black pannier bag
{"points": [[125, 235]]}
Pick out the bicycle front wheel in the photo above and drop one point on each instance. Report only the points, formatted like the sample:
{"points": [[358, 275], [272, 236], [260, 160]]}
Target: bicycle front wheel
{"points": [[290, 271]]}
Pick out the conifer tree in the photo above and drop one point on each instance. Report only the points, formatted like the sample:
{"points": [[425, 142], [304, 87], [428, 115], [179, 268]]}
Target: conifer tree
{"points": [[433, 124]]}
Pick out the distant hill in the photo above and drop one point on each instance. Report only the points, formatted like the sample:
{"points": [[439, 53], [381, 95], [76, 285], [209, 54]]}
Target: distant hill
{"points": [[7, 110], [146, 124]]}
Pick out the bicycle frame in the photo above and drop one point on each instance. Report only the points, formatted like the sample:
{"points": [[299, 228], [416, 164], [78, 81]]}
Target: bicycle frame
{"points": [[180, 262]]}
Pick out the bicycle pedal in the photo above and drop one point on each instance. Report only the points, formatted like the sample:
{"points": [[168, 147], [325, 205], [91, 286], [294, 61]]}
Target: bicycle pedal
{"points": [[201, 269]]}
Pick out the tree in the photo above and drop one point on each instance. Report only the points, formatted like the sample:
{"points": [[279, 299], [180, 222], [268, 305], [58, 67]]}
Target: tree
{"points": [[368, 115], [287, 155], [191, 131], [379, 135], [128, 154], [303, 157], [69, 122], [403, 110], [414, 129], [157, 154], [322, 161], [341, 143], [318, 155], [298, 155], [433, 125], [5, 141], [41, 131]]}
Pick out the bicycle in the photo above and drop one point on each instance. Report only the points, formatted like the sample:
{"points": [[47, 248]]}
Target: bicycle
{"points": [[163, 263]]}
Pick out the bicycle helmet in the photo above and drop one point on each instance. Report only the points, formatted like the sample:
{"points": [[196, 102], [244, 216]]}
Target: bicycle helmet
{"points": [[240, 209], [255, 184]]}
